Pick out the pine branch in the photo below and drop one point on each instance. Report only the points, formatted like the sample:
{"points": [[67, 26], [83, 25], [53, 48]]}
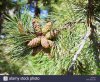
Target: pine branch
{"points": [[78, 51], [71, 24]]}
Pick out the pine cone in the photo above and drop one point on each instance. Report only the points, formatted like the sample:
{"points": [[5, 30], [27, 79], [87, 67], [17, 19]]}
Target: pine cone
{"points": [[20, 27], [34, 21], [47, 28], [51, 43], [44, 42], [37, 29], [34, 42], [52, 34]]}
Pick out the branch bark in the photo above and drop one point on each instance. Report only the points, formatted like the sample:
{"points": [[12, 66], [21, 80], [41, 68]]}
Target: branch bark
{"points": [[90, 16], [79, 50]]}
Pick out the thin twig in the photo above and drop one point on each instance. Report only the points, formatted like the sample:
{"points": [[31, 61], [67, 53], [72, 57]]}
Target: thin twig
{"points": [[79, 50], [71, 24]]}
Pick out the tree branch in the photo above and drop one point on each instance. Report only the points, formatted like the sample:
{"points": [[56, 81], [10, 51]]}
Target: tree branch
{"points": [[78, 52]]}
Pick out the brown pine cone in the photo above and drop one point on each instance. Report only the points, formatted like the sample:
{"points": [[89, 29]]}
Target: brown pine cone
{"points": [[37, 29], [34, 21], [51, 43], [20, 27], [44, 42], [34, 42], [47, 28], [52, 34]]}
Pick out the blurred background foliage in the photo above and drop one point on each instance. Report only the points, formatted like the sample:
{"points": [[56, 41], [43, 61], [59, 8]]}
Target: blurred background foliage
{"points": [[68, 15]]}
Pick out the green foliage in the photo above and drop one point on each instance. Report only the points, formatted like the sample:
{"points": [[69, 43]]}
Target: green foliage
{"points": [[66, 44], [16, 38]]}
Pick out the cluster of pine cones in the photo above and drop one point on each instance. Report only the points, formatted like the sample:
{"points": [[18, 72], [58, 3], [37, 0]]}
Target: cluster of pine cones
{"points": [[44, 35]]}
